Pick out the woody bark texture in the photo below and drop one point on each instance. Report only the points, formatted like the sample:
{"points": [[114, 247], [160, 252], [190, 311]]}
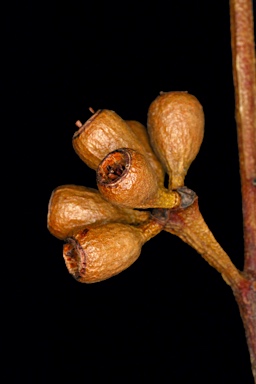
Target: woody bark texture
{"points": [[243, 56]]}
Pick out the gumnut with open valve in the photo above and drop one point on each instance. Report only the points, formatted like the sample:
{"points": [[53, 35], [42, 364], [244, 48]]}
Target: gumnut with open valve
{"points": [[105, 229]]}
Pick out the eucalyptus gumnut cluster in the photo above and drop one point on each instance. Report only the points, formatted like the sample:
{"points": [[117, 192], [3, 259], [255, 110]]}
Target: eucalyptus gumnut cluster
{"points": [[105, 229]]}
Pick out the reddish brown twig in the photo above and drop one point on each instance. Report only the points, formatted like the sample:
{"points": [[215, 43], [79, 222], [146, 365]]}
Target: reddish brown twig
{"points": [[244, 73], [189, 225], [243, 56]]}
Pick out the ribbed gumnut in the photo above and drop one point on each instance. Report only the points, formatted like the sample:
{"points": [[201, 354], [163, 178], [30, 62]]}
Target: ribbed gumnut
{"points": [[104, 132], [71, 207], [126, 178], [176, 129], [141, 132], [97, 253]]}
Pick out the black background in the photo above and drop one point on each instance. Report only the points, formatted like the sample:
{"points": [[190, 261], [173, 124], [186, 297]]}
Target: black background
{"points": [[169, 318]]}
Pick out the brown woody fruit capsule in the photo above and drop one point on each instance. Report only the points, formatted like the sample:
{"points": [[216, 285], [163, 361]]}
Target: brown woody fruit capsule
{"points": [[176, 129], [125, 177], [71, 207], [104, 132], [141, 132], [95, 254]]}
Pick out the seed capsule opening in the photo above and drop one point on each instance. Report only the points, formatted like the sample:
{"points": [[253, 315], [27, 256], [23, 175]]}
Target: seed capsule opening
{"points": [[114, 167], [125, 177], [75, 257]]}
